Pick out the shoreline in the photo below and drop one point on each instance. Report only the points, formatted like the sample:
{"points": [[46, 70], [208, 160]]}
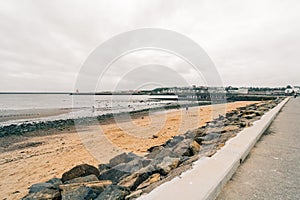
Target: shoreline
{"points": [[63, 124]]}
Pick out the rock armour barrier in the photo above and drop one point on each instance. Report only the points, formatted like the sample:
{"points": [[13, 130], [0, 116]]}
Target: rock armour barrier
{"points": [[128, 176]]}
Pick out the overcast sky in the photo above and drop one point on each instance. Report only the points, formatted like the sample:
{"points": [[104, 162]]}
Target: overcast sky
{"points": [[43, 44]]}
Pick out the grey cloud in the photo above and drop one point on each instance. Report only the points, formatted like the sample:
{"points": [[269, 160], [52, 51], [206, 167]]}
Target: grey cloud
{"points": [[44, 43]]}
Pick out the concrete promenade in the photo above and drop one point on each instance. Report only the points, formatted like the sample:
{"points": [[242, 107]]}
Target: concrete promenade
{"points": [[272, 169]]}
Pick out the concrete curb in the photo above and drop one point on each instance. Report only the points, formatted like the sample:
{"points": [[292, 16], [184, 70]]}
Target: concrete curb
{"points": [[209, 175]]}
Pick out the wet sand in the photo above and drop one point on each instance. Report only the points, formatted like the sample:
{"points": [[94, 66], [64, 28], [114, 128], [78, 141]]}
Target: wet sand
{"points": [[41, 158], [6, 115]]}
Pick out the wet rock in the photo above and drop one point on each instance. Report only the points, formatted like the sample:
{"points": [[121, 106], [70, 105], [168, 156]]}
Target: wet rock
{"points": [[88, 178], [113, 192], [46, 194], [80, 171]]}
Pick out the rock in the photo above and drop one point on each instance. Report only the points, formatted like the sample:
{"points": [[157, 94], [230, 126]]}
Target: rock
{"points": [[103, 167], [79, 193], [199, 131], [172, 142], [242, 124], [115, 175], [46, 194], [133, 165], [194, 148], [88, 178], [230, 128], [251, 116], [249, 112], [259, 113], [80, 171], [189, 160], [199, 139], [210, 136], [113, 192], [40, 187], [182, 148], [55, 181], [87, 190], [174, 173], [189, 135], [155, 148], [167, 165], [134, 180], [160, 154], [122, 158], [152, 179], [134, 195]]}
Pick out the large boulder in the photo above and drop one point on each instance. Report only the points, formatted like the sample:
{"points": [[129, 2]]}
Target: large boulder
{"points": [[113, 192], [80, 171]]}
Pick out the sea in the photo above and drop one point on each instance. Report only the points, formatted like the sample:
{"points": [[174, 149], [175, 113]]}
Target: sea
{"points": [[76, 106]]}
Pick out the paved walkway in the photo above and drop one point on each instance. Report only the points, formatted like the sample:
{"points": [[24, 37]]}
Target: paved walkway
{"points": [[272, 170]]}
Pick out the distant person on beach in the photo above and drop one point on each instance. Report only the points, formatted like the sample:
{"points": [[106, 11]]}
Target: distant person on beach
{"points": [[93, 109], [187, 109]]}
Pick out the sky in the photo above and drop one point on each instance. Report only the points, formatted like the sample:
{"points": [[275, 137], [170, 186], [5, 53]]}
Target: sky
{"points": [[44, 44]]}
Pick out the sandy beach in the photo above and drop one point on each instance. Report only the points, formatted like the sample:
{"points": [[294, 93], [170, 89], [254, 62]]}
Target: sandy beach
{"points": [[41, 158]]}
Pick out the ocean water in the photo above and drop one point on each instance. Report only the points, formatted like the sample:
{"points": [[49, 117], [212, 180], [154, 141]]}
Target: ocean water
{"points": [[78, 105]]}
